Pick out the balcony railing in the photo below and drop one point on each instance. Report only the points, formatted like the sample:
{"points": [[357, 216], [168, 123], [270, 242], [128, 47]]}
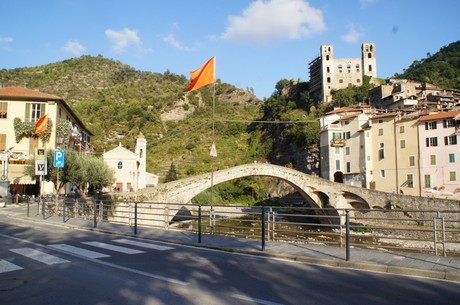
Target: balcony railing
{"points": [[338, 142]]}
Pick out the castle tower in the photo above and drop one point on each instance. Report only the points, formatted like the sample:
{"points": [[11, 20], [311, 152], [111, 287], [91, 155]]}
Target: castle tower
{"points": [[141, 152], [327, 70], [369, 57]]}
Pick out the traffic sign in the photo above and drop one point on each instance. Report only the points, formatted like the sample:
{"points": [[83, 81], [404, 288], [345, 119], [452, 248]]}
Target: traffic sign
{"points": [[40, 167], [58, 158]]}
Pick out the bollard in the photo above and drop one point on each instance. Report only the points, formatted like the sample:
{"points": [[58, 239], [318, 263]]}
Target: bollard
{"points": [[43, 208], [347, 234], [63, 210]]}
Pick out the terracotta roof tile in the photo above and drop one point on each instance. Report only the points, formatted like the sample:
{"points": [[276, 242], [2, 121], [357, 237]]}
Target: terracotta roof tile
{"points": [[24, 93], [440, 116]]}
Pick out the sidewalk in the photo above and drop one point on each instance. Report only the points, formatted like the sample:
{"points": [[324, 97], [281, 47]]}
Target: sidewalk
{"points": [[431, 266]]}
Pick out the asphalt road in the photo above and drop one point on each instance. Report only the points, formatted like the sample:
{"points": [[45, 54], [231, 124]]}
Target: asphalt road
{"points": [[42, 264]]}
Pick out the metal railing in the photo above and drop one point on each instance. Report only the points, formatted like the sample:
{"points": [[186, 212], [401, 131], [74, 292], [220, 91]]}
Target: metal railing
{"points": [[427, 231]]}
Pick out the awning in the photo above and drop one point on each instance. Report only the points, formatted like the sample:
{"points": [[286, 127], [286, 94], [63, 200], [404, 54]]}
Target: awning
{"points": [[16, 175]]}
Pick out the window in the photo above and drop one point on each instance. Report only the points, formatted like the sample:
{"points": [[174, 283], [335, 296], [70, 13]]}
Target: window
{"points": [[120, 165], [369, 55], [337, 150], [433, 159], [380, 131], [327, 57], [340, 67], [347, 135], [451, 158], [3, 110], [380, 121], [449, 123], [401, 129], [2, 142], [410, 180], [431, 142], [370, 68], [450, 140], [336, 135], [358, 80], [427, 181], [430, 125], [340, 81], [381, 151], [337, 165], [403, 144], [347, 150], [382, 173], [357, 66], [412, 160], [348, 167], [453, 176], [328, 79], [328, 70], [347, 122], [34, 111]]}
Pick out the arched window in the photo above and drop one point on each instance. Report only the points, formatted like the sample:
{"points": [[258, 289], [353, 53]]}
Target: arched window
{"points": [[140, 153], [120, 165]]}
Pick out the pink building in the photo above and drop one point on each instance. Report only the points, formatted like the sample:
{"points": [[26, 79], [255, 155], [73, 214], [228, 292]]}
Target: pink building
{"points": [[440, 154]]}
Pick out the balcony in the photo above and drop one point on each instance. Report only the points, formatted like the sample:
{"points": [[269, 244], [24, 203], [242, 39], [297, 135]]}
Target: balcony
{"points": [[338, 142]]}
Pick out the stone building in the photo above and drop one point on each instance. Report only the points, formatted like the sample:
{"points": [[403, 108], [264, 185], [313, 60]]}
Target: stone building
{"points": [[328, 73]]}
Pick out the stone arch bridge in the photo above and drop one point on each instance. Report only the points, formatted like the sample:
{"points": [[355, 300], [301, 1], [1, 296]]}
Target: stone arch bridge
{"points": [[318, 192]]}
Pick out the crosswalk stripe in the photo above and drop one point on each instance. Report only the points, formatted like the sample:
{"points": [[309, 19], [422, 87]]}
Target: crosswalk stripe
{"points": [[6, 266], [142, 244], [112, 247], [39, 256], [79, 251]]}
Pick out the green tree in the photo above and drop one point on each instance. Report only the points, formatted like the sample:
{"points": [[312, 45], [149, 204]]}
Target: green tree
{"points": [[172, 173]]}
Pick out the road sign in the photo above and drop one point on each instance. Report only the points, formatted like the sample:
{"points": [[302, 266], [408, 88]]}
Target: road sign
{"points": [[58, 158], [40, 167], [40, 154]]}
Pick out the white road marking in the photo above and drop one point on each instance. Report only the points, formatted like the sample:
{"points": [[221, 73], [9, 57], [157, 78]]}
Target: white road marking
{"points": [[39, 256], [142, 244], [6, 266], [112, 247], [257, 301], [78, 251]]}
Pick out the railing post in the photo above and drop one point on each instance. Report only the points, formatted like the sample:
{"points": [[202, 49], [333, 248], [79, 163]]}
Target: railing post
{"points": [[95, 213], [263, 229], [435, 243], [347, 221], [43, 208], [135, 217], [199, 224]]}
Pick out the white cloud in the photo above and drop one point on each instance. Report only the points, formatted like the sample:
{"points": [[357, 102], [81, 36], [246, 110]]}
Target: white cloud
{"points": [[4, 43], [352, 35], [365, 3], [265, 21], [74, 47], [171, 39], [123, 39]]}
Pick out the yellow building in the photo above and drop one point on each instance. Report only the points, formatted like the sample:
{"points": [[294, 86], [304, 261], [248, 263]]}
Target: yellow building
{"points": [[20, 109]]}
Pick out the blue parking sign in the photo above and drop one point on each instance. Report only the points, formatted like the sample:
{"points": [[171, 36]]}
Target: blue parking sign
{"points": [[58, 158]]}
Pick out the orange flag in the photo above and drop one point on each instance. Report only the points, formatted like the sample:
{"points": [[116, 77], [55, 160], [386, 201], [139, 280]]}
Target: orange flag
{"points": [[203, 76], [41, 124]]}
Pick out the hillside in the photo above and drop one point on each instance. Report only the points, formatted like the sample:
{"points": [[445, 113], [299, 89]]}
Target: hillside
{"points": [[117, 102], [441, 69]]}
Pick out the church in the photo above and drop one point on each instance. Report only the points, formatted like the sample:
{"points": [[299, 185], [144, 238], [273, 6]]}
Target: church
{"points": [[130, 167]]}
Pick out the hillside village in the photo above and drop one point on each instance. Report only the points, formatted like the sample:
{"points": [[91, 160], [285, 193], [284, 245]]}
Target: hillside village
{"points": [[403, 138]]}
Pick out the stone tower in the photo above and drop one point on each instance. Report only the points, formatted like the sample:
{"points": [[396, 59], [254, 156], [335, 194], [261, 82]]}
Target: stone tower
{"points": [[141, 152], [369, 57]]}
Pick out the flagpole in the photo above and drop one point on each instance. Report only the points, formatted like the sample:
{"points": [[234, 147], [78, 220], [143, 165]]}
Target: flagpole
{"points": [[213, 135]]}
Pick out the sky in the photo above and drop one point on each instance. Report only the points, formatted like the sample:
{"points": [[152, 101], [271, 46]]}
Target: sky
{"points": [[256, 42]]}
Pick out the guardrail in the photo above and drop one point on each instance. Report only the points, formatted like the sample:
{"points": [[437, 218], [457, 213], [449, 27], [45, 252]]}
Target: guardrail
{"points": [[427, 231]]}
